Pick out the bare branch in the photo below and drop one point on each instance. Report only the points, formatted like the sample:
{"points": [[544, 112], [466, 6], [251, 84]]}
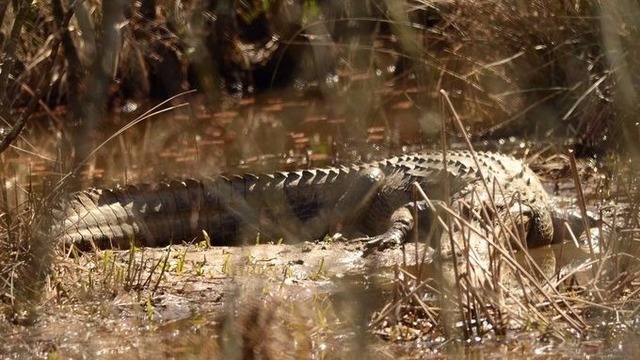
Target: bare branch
{"points": [[42, 88]]}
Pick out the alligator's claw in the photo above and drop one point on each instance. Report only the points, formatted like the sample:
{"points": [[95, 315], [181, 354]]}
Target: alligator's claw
{"points": [[379, 243]]}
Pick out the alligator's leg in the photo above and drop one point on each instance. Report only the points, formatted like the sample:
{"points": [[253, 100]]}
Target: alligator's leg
{"points": [[544, 227], [574, 220], [526, 225], [402, 224], [403, 220]]}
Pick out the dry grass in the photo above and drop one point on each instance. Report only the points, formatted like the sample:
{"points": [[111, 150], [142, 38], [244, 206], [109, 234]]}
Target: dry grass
{"points": [[505, 73], [565, 293]]}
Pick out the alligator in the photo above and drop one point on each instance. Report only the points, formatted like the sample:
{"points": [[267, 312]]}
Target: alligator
{"points": [[376, 199]]}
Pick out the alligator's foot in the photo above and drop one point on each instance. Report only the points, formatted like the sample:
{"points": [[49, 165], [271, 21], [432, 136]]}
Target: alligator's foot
{"points": [[369, 244], [380, 243], [401, 225], [420, 216]]}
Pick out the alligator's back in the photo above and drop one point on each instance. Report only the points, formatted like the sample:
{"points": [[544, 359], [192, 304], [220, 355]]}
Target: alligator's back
{"points": [[485, 177], [294, 206], [229, 209]]}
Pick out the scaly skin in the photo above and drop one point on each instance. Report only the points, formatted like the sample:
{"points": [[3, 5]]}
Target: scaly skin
{"points": [[375, 198]]}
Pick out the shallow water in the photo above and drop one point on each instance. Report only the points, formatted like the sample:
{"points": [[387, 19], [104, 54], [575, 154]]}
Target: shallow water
{"points": [[328, 307]]}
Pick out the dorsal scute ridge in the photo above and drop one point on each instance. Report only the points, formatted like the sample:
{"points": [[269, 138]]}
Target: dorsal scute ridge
{"points": [[323, 171], [307, 173], [225, 203]]}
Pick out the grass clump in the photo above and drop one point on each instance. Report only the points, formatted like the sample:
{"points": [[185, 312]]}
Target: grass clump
{"points": [[563, 293]]}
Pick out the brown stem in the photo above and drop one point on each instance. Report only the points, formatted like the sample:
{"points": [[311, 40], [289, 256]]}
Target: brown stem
{"points": [[75, 68], [45, 83], [9, 50], [3, 10]]}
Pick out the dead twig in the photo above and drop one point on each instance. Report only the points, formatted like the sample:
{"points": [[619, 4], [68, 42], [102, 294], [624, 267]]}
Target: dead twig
{"points": [[45, 83]]}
